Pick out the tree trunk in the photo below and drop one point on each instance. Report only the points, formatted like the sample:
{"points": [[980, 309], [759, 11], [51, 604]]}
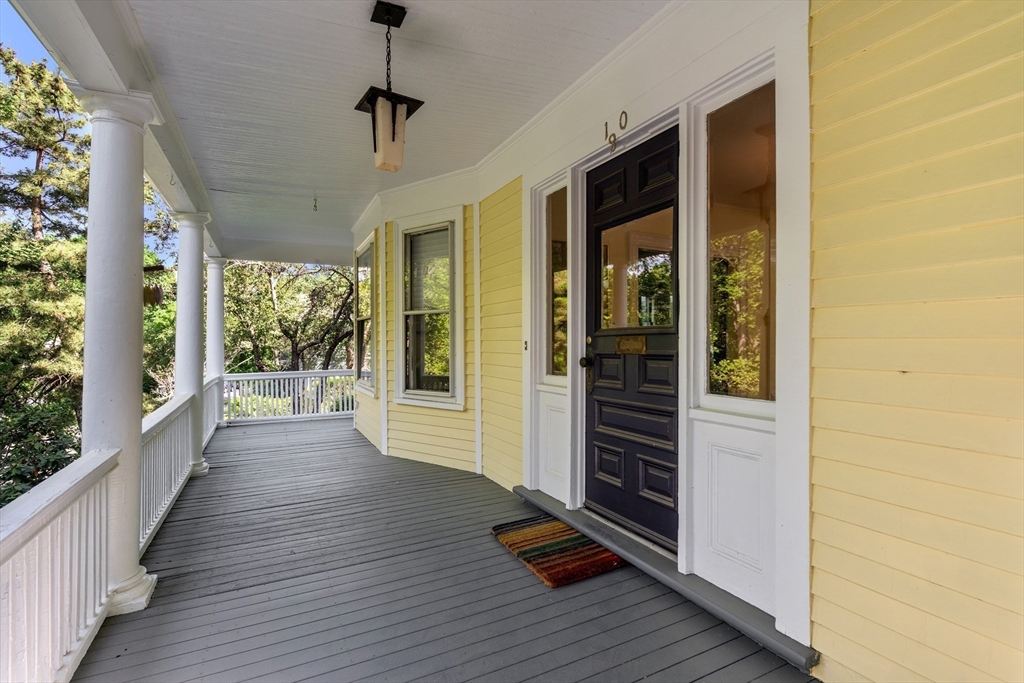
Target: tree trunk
{"points": [[37, 203]]}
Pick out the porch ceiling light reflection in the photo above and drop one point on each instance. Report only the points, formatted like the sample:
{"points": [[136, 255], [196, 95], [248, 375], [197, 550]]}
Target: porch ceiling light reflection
{"points": [[387, 109]]}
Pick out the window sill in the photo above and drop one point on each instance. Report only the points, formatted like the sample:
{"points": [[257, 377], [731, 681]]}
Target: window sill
{"points": [[443, 404], [366, 390]]}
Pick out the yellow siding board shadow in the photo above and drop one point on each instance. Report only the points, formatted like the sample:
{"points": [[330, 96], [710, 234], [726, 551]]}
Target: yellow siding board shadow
{"points": [[1002, 41], [969, 470], [918, 340], [894, 645], [1003, 240], [974, 128], [838, 16], [967, 394], [992, 548], [996, 436], [974, 206], [877, 28], [984, 318], [946, 27], [990, 357], [949, 99], [1000, 625], [977, 166]]}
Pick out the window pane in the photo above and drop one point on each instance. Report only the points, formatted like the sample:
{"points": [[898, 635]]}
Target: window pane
{"points": [[364, 339], [427, 359], [638, 287], [427, 271], [741, 247], [364, 279], [558, 281]]}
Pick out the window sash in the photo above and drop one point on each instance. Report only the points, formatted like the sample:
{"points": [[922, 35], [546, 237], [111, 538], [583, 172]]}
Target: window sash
{"points": [[368, 378], [410, 293]]}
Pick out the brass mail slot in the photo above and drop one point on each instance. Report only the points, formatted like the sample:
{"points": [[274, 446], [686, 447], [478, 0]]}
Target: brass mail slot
{"points": [[631, 345]]}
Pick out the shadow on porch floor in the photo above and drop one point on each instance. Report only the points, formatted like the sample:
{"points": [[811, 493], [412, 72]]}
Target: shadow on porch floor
{"points": [[307, 555]]}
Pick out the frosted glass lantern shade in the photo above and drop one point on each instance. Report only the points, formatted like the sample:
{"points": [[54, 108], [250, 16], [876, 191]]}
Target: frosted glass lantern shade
{"points": [[388, 155]]}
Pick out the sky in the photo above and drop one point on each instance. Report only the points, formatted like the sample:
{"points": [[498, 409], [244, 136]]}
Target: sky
{"points": [[16, 34]]}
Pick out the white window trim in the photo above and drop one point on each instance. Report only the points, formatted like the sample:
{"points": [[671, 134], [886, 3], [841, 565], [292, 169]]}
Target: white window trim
{"points": [[457, 374], [363, 386], [541, 258]]}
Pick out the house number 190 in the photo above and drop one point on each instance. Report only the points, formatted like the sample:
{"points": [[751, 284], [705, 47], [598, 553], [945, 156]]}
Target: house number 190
{"points": [[611, 137]]}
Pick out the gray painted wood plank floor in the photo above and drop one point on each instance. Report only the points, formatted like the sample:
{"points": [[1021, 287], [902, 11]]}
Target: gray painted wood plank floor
{"points": [[307, 555]]}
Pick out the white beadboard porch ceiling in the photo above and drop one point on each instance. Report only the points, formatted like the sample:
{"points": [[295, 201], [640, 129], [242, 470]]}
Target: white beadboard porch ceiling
{"points": [[264, 93]]}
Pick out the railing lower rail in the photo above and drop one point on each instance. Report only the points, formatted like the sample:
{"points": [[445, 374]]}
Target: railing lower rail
{"points": [[54, 591], [288, 395]]}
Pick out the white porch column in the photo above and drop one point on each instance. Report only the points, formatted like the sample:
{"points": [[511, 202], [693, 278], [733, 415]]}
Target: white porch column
{"points": [[215, 325], [188, 327], [112, 393]]}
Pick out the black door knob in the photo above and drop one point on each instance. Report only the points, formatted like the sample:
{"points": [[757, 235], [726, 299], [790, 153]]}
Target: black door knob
{"points": [[586, 362]]}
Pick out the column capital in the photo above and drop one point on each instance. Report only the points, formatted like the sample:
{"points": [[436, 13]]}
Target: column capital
{"points": [[191, 220], [135, 107], [215, 261]]}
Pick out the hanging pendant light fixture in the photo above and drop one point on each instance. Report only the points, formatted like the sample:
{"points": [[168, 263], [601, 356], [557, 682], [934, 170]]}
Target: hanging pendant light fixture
{"points": [[387, 109]]}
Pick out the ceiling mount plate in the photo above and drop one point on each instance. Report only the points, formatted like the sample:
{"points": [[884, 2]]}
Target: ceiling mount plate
{"points": [[382, 10]]}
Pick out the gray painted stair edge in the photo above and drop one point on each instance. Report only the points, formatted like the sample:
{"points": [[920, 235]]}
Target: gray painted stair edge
{"points": [[741, 615]]}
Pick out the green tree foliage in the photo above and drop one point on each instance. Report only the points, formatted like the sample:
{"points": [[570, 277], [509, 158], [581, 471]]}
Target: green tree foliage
{"points": [[287, 316], [40, 123]]}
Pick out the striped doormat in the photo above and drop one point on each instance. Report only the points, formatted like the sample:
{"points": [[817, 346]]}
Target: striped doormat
{"points": [[554, 551]]}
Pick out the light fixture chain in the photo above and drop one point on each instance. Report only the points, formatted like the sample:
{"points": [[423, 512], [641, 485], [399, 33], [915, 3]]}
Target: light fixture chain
{"points": [[389, 53]]}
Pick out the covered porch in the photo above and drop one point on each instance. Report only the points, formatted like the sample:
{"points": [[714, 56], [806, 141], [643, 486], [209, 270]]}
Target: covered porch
{"points": [[306, 554]]}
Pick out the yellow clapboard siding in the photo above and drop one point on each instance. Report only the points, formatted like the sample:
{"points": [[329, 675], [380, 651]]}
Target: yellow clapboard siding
{"points": [[917, 440], [974, 206], [972, 395], [924, 661], [947, 26], [1000, 625], [996, 436], [501, 311], [841, 15], [818, 5], [990, 357], [994, 586], [1002, 514], [984, 318], [977, 166], [1002, 41], [972, 129], [874, 666], [978, 280], [877, 28], [994, 474], [992, 548], [1004, 240], [948, 99], [963, 645]]}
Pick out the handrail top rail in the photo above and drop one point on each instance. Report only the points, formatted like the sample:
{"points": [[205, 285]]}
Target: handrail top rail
{"points": [[346, 372], [30, 512], [159, 418], [210, 381]]}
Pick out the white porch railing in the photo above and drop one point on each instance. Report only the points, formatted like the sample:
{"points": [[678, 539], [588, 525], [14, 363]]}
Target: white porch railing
{"points": [[166, 463], [288, 395], [213, 397], [54, 591]]}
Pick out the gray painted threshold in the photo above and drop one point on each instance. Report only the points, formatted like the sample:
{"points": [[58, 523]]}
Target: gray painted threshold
{"points": [[744, 617]]}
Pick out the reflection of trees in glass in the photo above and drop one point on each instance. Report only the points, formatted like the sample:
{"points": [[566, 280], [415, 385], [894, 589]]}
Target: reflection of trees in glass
{"points": [[428, 329], [734, 321], [559, 308], [653, 275]]}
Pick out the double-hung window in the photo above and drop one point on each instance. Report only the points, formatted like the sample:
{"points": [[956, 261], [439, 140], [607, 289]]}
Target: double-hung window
{"points": [[365, 291], [428, 259]]}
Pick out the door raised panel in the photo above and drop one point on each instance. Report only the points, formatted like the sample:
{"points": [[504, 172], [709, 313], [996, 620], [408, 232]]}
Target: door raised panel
{"points": [[735, 504], [637, 423], [657, 481], [657, 375], [608, 464], [609, 372]]}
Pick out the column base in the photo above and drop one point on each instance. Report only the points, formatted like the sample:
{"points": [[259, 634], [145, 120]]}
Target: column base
{"points": [[200, 469], [134, 594]]}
